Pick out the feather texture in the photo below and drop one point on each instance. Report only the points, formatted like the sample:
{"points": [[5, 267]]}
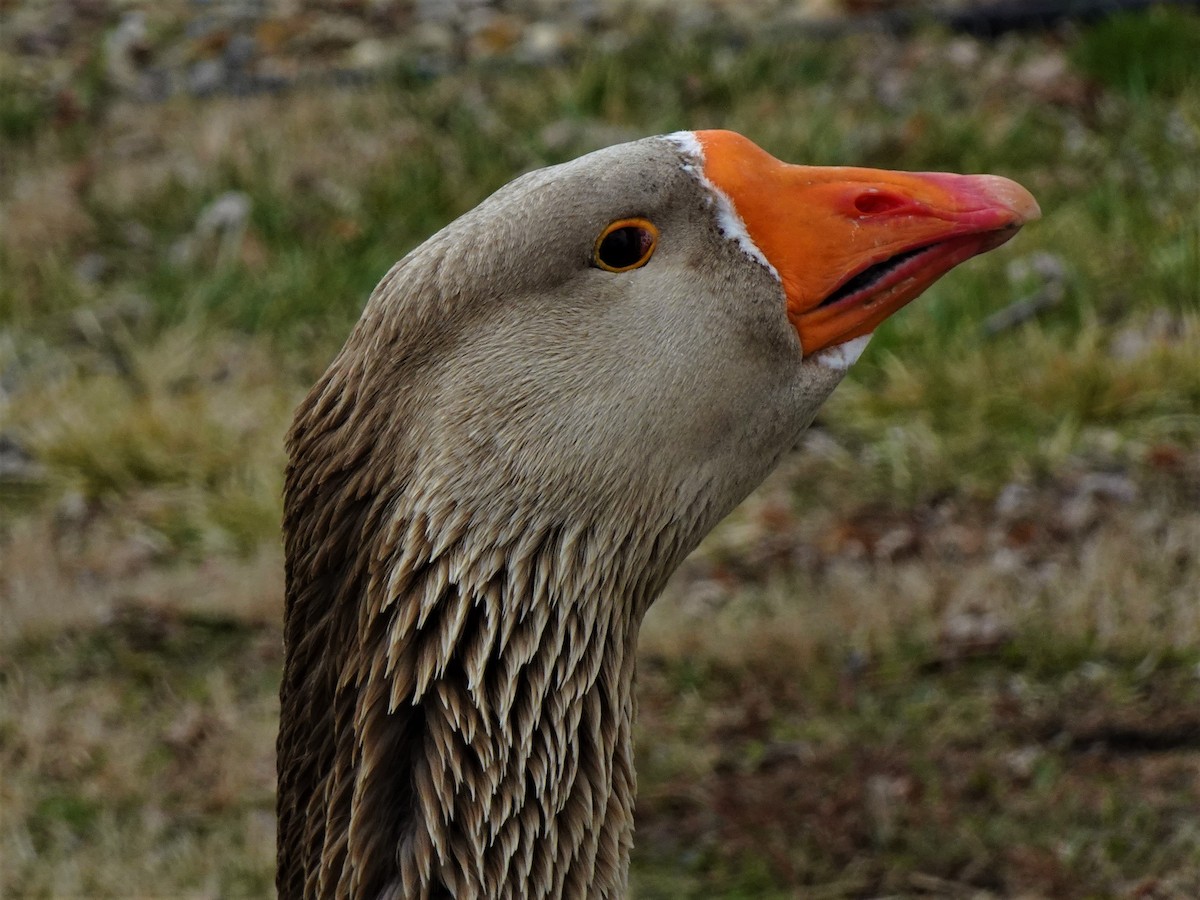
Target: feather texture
{"points": [[485, 492]]}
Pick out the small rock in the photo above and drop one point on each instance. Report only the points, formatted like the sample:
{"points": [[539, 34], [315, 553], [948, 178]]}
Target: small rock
{"points": [[545, 43], [1016, 501], [125, 49], [972, 633], [371, 54], [183, 252], [1041, 265], [72, 509], [891, 89], [705, 597], [329, 34], [220, 229], [1049, 76], [1128, 344], [227, 213], [903, 540], [137, 235], [1079, 513], [1023, 762], [963, 53], [15, 463], [1136, 340], [155, 85], [1108, 486], [91, 268], [1042, 71], [240, 51], [206, 77], [820, 444]]}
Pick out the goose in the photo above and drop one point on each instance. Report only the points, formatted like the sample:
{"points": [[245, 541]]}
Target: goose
{"points": [[541, 411]]}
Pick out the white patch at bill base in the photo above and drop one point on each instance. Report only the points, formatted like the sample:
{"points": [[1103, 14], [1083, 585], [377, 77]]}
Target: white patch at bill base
{"points": [[729, 222], [688, 143], [843, 356]]}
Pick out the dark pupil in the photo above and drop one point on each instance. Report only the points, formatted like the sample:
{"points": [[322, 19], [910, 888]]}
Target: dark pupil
{"points": [[622, 248]]}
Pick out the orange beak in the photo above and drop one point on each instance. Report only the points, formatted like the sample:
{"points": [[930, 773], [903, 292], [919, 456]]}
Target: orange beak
{"points": [[852, 246]]}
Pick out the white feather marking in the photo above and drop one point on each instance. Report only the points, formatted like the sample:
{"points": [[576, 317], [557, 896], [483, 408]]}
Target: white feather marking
{"points": [[687, 142], [729, 222], [843, 356]]}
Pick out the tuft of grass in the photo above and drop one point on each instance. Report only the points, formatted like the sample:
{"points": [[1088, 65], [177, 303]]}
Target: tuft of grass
{"points": [[970, 415], [139, 741], [22, 110], [181, 439], [1152, 52]]}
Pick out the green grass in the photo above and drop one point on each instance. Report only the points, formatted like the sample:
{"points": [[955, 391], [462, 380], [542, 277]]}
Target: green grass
{"points": [[1115, 174], [1152, 53], [810, 723]]}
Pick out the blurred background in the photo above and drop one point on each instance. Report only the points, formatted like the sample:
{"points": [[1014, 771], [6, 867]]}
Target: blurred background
{"points": [[950, 649]]}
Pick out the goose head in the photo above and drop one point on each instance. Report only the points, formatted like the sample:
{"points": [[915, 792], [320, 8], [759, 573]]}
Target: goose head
{"points": [[543, 409]]}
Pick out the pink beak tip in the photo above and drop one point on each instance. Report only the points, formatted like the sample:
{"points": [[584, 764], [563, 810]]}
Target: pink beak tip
{"points": [[1007, 193]]}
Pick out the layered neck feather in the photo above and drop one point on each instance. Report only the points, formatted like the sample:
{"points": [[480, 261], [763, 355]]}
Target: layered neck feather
{"points": [[457, 705]]}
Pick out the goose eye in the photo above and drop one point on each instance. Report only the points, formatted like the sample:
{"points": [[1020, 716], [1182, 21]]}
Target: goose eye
{"points": [[625, 244]]}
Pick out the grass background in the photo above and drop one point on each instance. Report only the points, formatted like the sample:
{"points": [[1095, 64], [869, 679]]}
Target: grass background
{"points": [[952, 648]]}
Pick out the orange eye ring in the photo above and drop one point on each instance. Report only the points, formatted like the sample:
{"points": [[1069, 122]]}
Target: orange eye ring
{"points": [[625, 244]]}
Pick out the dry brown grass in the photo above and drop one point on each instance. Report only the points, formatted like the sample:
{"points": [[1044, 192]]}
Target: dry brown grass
{"points": [[173, 444], [324, 141], [134, 766], [1062, 562], [785, 679]]}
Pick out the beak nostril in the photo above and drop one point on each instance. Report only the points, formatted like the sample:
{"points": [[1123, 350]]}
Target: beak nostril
{"points": [[873, 202]]}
